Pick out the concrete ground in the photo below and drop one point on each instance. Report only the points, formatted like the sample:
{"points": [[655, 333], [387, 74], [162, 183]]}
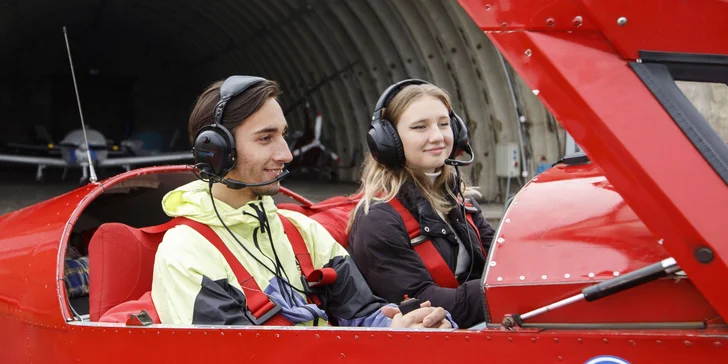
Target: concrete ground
{"points": [[18, 189]]}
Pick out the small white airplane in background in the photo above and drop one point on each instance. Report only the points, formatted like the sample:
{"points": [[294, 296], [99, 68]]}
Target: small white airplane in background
{"points": [[87, 148], [298, 150], [73, 155]]}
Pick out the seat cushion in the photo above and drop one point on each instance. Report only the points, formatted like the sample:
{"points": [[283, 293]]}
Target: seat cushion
{"points": [[121, 263]]}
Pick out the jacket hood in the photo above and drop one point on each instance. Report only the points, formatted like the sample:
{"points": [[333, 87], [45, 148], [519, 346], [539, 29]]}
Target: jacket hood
{"points": [[193, 202]]}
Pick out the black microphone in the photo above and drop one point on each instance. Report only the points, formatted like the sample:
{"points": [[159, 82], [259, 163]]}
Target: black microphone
{"points": [[237, 185], [460, 163]]}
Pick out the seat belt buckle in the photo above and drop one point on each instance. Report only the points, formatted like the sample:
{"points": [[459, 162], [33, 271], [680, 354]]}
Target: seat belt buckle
{"points": [[418, 240], [268, 315]]}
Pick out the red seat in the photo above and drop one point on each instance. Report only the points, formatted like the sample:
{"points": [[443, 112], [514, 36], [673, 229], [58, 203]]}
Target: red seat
{"points": [[121, 263], [332, 214]]}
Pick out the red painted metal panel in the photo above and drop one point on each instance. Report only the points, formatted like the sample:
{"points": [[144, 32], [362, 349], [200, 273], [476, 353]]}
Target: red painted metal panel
{"points": [[662, 25], [191, 345], [568, 229]]}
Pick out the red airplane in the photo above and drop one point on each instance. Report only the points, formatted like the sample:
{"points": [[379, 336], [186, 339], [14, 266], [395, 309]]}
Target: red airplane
{"points": [[615, 258]]}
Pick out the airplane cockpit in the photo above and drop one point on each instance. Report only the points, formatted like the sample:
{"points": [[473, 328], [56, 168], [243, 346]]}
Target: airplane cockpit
{"points": [[541, 272]]}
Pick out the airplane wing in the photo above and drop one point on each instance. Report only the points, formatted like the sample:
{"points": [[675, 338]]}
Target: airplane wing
{"points": [[166, 157], [45, 161]]}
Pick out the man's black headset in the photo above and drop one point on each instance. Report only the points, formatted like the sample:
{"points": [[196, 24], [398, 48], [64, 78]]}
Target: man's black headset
{"points": [[214, 149], [385, 144]]}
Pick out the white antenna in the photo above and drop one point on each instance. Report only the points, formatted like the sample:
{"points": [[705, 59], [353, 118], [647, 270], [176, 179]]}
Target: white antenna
{"points": [[92, 172]]}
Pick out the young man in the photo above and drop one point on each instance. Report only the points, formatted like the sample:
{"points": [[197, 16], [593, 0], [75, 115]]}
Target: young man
{"points": [[194, 284]]}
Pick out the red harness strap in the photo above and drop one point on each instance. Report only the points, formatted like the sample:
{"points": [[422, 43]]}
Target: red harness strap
{"points": [[440, 272], [312, 277], [469, 217], [264, 310]]}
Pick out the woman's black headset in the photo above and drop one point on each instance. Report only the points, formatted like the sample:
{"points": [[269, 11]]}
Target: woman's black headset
{"points": [[214, 149], [384, 142]]}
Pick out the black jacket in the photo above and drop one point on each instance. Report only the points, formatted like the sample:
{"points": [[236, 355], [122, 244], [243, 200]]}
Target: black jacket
{"points": [[381, 248]]}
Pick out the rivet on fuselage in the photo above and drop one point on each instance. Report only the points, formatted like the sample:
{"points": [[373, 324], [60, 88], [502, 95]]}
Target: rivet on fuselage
{"points": [[499, 279], [543, 276], [492, 264], [578, 20], [528, 53], [521, 277], [615, 273], [501, 240], [567, 275], [621, 21], [591, 275], [487, 7]]}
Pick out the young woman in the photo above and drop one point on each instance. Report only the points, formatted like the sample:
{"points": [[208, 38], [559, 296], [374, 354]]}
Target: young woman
{"points": [[411, 234]]}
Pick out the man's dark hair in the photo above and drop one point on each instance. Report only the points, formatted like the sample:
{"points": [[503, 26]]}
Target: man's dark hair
{"points": [[237, 109]]}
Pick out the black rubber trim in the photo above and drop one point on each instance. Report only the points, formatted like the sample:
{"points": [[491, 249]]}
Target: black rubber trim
{"points": [[691, 58], [659, 81], [691, 67]]}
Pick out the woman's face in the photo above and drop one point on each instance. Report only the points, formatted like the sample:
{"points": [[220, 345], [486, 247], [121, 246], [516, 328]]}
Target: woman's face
{"points": [[424, 128]]}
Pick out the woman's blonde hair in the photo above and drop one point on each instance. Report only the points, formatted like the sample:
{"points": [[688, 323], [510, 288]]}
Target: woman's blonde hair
{"points": [[381, 184]]}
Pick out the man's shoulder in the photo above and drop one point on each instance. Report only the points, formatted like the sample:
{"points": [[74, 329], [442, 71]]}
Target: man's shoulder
{"points": [[182, 241]]}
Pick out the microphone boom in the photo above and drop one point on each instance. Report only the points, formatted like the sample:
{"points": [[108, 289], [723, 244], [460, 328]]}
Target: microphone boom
{"points": [[237, 185]]}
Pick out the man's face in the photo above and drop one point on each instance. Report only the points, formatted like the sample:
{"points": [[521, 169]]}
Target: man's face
{"points": [[262, 150]]}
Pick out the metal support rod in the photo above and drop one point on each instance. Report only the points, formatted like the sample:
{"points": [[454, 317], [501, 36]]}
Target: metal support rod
{"points": [[553, 306], [632, 279]]}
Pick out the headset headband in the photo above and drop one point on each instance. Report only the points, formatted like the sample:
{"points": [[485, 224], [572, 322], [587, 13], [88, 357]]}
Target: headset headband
{"points": [[233, 86], [392, 91]]}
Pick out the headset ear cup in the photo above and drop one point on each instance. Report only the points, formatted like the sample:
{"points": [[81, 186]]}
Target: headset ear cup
{"points": [[214, 150], [384, 144], [398, 156], [460, 135]]}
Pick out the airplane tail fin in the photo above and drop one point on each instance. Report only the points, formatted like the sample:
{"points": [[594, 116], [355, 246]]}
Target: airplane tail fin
{"points": [[42, 133]]}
